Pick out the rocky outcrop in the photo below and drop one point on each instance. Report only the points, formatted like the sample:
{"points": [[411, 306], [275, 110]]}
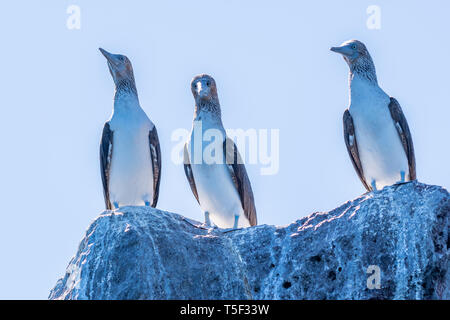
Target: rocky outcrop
{"points": [[389, 244]]}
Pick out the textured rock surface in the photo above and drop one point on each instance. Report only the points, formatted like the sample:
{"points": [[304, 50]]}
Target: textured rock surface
{"points": [[143, 253]]}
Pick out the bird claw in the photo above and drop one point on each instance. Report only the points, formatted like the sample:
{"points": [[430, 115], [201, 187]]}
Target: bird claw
{"points": [[198, 226], [207, 226], [229, 230]]}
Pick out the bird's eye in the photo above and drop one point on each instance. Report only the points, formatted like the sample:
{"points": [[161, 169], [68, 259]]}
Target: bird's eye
{"points": [[208, 83], [354, 46]]}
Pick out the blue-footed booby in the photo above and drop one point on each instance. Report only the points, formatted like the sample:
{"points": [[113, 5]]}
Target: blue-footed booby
{"points": [[220, 185], [130, 155], [376, 133]]}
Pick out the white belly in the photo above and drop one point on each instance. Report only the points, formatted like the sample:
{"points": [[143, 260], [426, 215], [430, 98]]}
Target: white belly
{"points": [[131, 175], [217, 192], [381, 152]]}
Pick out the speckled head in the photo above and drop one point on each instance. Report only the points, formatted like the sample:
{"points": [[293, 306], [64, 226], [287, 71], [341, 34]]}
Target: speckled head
{"points": [[352, 50], [119, 67], [357, 57], [204, 89]]}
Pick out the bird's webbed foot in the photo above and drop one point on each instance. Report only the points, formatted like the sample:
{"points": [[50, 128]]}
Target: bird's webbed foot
{"points": [[235, 225]]}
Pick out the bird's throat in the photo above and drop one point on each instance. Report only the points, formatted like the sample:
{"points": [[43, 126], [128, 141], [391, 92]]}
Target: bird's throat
{"points": [[363, 69], [125, 99], [125, 87], [209, 108]]}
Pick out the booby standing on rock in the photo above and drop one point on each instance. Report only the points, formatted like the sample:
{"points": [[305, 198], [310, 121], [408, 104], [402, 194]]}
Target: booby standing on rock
{"points": [[222, 188], [376, 133], [130, 156]]}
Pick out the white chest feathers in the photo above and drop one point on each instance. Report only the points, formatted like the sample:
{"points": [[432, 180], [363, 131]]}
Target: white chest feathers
{"points": [[380, 149], [216, 190], [131, 172]]}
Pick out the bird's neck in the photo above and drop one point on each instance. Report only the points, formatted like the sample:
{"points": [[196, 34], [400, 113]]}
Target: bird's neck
{"points": [[126, 97], [208, 110], [364, 69], [362, 77]]}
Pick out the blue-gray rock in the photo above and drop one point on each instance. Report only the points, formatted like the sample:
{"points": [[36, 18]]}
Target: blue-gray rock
{"points": [[143, 253]]}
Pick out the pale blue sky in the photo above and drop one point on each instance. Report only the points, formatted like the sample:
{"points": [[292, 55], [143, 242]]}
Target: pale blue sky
{"points": [[274, 70]]}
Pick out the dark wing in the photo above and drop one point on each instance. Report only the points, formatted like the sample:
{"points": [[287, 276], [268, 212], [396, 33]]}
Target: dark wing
{"points": [[241, 180], [352, 147], [105, 161], [155, 155], [405, 135], [189, 174]]}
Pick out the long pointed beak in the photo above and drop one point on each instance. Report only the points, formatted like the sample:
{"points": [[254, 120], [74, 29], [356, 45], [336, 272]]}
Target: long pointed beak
{"points": [[345, 50], [202, 89], [334, 49], [109, 56]]}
